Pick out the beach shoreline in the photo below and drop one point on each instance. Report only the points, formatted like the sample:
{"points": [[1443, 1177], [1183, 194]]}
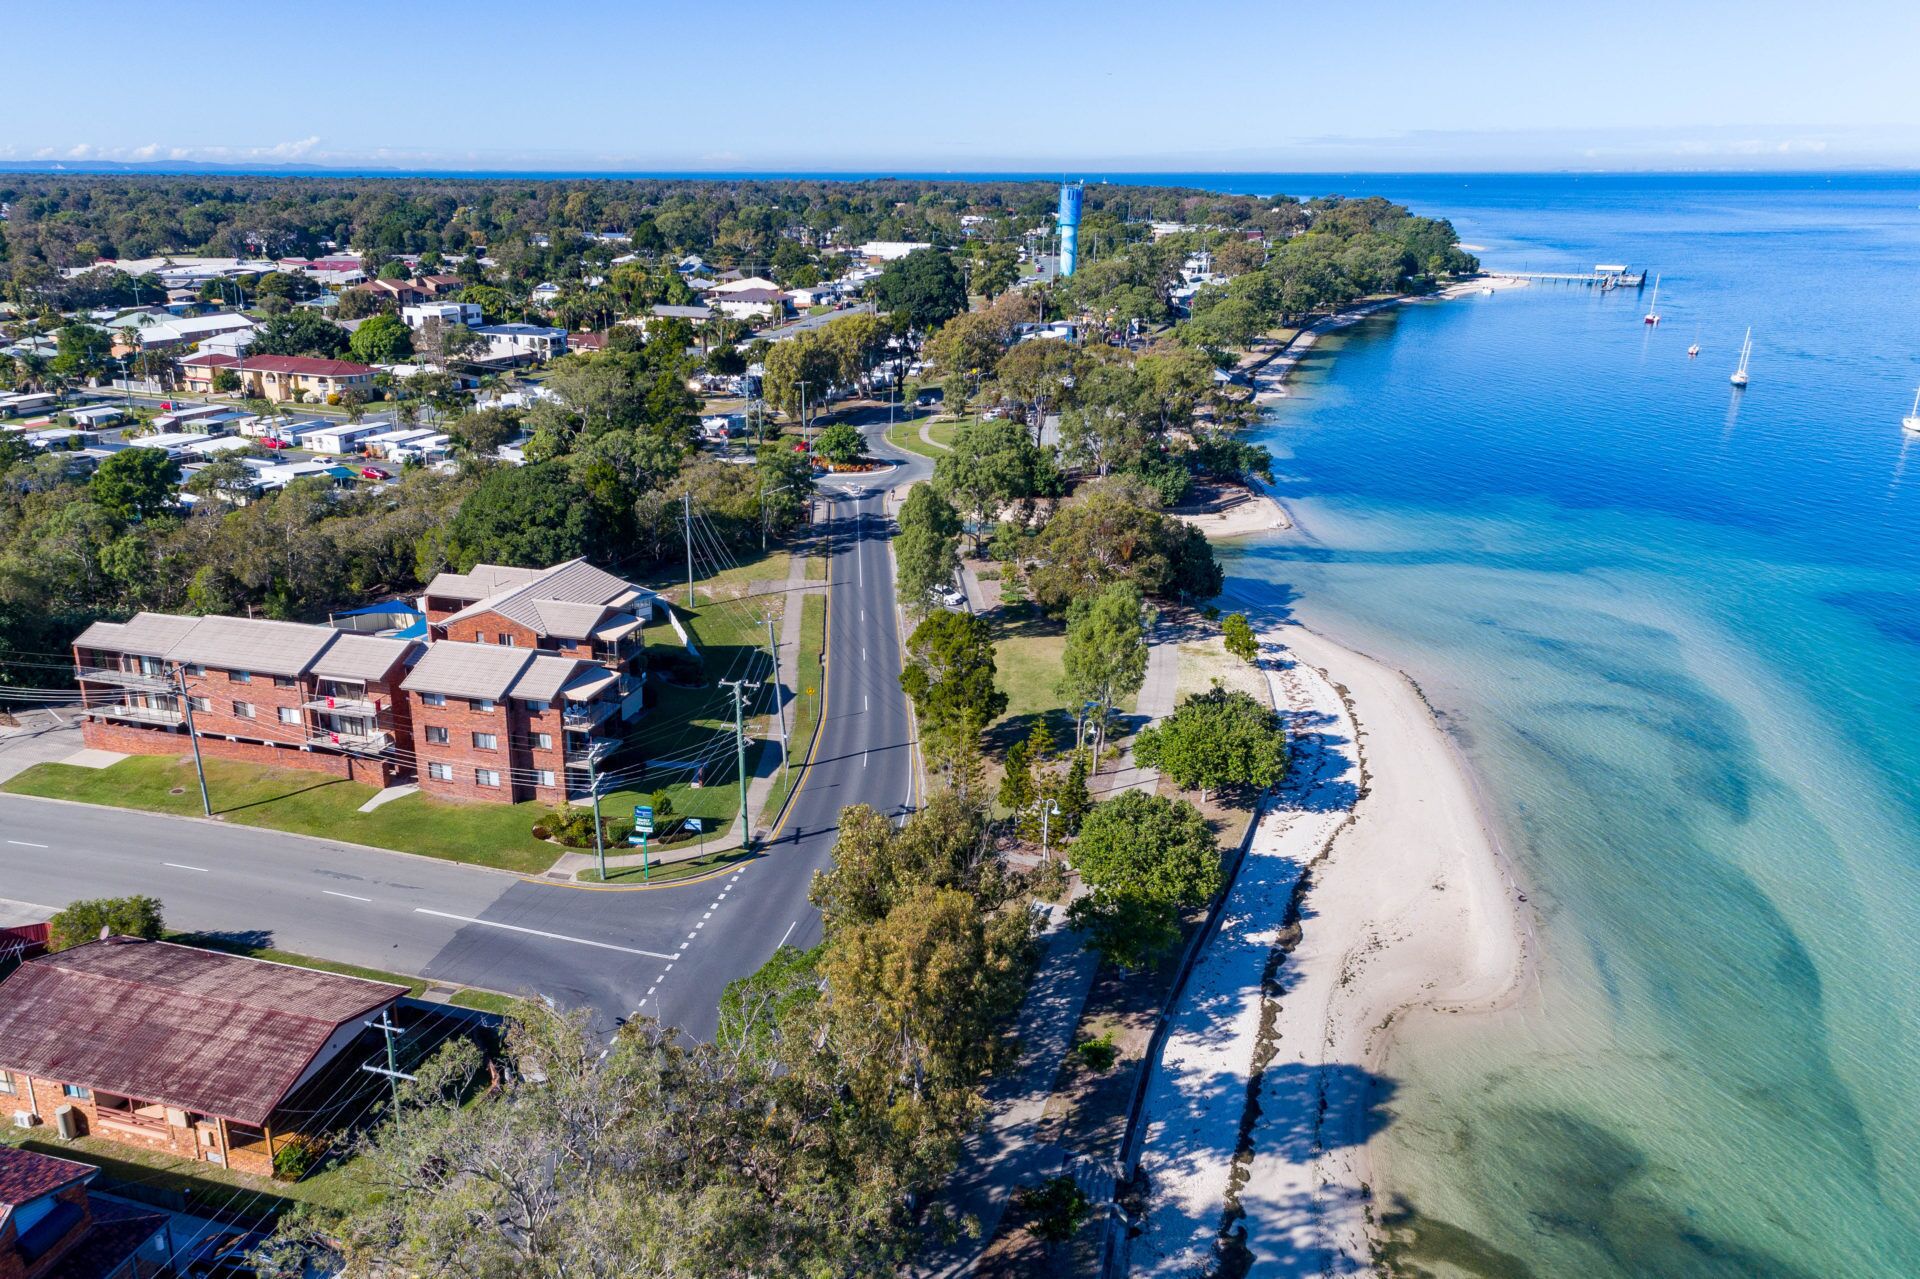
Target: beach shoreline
{"points": [[1375, 888]]}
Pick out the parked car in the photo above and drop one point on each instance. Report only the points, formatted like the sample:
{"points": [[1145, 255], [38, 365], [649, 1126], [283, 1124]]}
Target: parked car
{"points": [[947, 597], [374, 473], [269, 442], [227, 1256]]}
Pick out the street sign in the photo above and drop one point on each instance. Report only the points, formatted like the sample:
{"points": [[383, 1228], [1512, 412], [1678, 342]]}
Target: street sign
{"points": [[695, 824], [637, 840], [643, 818]]}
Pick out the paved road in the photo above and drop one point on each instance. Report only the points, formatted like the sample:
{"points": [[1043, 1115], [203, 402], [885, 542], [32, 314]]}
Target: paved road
{"points": [[866, 752], [667, 953]]}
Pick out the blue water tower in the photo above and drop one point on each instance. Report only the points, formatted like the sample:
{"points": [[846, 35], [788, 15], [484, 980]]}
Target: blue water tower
{"points": [[1070, 196]]}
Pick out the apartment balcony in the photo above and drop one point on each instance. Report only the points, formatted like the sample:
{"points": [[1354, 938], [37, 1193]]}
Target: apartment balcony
{"points": [[124, 679], [341, 706], [375, 742], [581, 749], [587, 714], [133, 713]]}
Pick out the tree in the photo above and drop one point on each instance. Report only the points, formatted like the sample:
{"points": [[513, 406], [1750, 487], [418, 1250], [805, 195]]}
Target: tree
{"points": [[1236, 633], [135, 483], [989, 465], [1144, 858], [995, 268], [524, 515], [225, 381], [1219, 738], [299, 332], [1109, 533], [841, 443], [1106, 651], [927, 550], [922, 290], [1056, 1208], [82, 921], [805, 364], [480, 433], [950, 674], [381, 339]]}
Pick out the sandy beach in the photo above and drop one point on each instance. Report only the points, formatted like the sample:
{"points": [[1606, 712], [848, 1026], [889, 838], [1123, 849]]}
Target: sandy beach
{"points": [[1371, 886]]}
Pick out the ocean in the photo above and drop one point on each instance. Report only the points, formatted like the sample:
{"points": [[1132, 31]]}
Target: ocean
{"points": [[1676, 629]]}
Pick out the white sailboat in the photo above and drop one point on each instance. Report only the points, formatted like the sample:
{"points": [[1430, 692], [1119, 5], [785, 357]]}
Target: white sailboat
{"points": [[1739, 377], [1694, 350], [1911, 421], [1653, 306]]}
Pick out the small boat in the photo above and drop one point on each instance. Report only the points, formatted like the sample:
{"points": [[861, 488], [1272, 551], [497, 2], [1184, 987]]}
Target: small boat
{"points": [[1911, 421], [1739, 377], [1694, 350], [1487, 289], [1653, 306]]}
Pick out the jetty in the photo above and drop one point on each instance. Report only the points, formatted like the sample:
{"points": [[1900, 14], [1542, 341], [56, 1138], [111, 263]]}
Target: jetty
{"points": [[1605, 276]]}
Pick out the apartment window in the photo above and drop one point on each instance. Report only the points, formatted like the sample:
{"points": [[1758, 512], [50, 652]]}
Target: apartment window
{"points": [[482, 704], [506, 639], [536, 708], [440, 772], [486, 776], [485, 742], [243, 710], [543, 741], [6, 1084], [288, 715], [546, 776], [433, 699], [194, 668], [239, 677], [285, 681], [201, 704], [77, 1091], [436, 736]]}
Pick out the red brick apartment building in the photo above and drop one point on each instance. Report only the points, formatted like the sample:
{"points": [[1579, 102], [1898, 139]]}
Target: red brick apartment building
{"points": [[51, 1228], [527, 675], [212, 1057], [278, 693]]}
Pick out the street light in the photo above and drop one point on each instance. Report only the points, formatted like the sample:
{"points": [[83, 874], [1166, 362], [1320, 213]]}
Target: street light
{"points": [[1048, 808]]}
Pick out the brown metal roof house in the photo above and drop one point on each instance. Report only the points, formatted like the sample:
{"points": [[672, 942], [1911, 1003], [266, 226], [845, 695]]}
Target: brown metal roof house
{"points": [[204, 1054], [50, 1228]]}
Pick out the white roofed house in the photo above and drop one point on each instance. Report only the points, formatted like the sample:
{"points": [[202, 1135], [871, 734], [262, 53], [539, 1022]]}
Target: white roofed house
{"points": [[533, 342]]}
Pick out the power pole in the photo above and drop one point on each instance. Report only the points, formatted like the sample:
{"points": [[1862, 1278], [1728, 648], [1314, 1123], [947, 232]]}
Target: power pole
{"points": [[686, 507], [392, 1071], [593, 789], [199, 766], [739, 688], [773, 651]]}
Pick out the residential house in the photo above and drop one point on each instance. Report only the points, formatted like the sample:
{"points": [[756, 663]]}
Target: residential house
{"points": [[403, 292], [694, 315], [145, 331], [750, 304], [746, 284], [282, 379], [447, 313], [208, 1056], [890, 250], [545, 294], [441, 286], [52, 1228], [282, 694], [533, 342], [506, 722]]}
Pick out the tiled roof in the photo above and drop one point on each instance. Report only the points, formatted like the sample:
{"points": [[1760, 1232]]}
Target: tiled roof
{"points": [[567, 600], [248, 644], [302, 365], [481, 581], [194, 1029], [25, 1175], [493, 671], [115, 1232]]}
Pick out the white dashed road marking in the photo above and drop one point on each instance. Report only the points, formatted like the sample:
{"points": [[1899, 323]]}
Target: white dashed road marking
{"points": [[535, 932]]}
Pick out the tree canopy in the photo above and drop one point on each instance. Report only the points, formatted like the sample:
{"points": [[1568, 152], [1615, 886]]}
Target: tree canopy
{"points": [[1219, 738], [1145, 858]]}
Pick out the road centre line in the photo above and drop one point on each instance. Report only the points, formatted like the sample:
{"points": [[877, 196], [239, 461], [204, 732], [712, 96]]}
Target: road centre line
{"points": [[21, 843], [349, 896], [535, 932], [180, 866]]}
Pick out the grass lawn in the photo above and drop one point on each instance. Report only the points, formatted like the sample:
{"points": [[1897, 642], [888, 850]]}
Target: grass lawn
{"points": [[805, 707], [496, 835], [667, 874], [1027, 656], [726, 583], [906, 435], [210, 1187]]}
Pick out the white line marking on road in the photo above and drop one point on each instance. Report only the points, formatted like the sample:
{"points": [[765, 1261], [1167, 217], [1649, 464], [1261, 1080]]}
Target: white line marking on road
{"points": [[863, 759], [704, 918], [535, 932], [690, 937], [783, 937], [349, 896], [667, 969], [177, 866], [21, 843]]}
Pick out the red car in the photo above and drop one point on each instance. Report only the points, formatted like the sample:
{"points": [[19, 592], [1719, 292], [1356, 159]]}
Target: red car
{"points": [[374, 473], [268, 442]]}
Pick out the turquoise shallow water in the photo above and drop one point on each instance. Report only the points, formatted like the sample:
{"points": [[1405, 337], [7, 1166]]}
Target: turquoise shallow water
{"points": [[1676, 629]]}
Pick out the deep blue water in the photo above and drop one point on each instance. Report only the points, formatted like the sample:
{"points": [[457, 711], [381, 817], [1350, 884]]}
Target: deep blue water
{"points": [[1677, 628]]}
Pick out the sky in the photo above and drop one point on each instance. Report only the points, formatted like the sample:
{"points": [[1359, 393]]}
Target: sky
{"points": [[1067, 85]]}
